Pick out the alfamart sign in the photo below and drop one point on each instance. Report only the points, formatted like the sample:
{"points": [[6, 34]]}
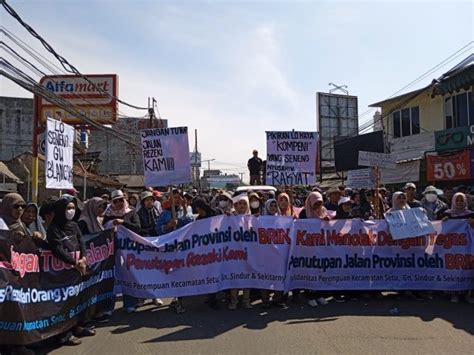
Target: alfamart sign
{"points": [[94, 97]]}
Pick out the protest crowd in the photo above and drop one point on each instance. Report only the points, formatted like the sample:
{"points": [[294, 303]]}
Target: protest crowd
{"points": [[58, 224]]}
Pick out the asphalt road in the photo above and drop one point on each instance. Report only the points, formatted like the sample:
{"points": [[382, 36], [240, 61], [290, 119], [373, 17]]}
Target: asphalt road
{"points": [[355, 327]]}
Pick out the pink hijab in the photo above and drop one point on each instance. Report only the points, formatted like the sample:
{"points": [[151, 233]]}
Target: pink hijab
{"points": [[312, 198]]}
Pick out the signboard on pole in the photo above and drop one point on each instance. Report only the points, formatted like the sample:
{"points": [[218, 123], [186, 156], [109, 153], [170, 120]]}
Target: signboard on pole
{"points": [[195, 158], [59, 155], [361, 179], [374, 159], [165, 156], [291, 158], [94, 98]]}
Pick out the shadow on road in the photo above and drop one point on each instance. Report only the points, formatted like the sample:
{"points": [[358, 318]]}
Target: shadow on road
{"points": [[202, 322]]}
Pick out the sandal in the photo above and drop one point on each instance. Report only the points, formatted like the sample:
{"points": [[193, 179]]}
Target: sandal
{"points": [[72, 341], [85, 332]]}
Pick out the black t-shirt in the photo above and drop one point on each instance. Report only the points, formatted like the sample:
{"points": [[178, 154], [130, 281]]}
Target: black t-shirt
{"points": [[255, 166], [414, 204]]}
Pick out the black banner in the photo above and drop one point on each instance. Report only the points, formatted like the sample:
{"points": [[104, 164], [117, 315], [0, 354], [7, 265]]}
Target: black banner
{"points": [[40, 296]]}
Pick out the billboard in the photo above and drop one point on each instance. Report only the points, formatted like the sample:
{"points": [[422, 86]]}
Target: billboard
{"points": [[95, 99], [346, 150], [337, 117]]}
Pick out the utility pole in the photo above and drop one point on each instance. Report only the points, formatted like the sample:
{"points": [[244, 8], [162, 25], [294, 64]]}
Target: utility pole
{"points": [[196, 163]]}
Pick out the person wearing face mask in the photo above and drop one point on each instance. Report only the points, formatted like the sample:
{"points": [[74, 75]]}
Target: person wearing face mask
{"points": [[433, 206], [225, 204], [65, 240], [255, 204]]}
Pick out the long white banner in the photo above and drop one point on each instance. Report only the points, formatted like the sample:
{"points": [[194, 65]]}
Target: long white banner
{"points": [[278, 253]]}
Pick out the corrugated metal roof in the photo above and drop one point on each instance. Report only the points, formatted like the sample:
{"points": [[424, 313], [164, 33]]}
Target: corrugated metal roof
{"points": [[8, 174]]}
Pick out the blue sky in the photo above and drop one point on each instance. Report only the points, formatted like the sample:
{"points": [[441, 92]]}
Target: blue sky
{"points": [[235, 69]]}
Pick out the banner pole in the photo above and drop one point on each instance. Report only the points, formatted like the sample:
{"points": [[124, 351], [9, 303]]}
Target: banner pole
{"points": [[173, 205], [377, 199], [34, 158]]}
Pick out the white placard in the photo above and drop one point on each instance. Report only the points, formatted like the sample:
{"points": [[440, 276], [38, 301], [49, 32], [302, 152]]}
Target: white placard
{"points": [[291, 158], [361, 179], [59, 155], [165, 156], [374, 159], [408, 223]]}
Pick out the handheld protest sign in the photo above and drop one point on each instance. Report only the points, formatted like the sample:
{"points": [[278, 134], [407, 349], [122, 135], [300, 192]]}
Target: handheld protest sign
{"points": [[59, 155], [291, 158], [165, 156]]}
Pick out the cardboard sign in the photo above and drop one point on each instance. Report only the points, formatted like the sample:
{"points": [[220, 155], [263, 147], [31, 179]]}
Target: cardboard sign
{"points": [[361, 179], [59, 155], [374, 159], [408, 223], [291, 158], [165, 156]]}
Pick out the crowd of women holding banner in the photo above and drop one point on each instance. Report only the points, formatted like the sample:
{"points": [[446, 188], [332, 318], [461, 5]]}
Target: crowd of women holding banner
{"points": [[59, 224]]}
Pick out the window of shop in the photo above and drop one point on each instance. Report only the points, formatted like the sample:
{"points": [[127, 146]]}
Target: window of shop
{"points": [[459, 110], [406, 122]]}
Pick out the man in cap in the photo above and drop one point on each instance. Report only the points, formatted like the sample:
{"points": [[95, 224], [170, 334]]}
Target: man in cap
{"points": [[410, 191], [333, 195], [255, 165]]}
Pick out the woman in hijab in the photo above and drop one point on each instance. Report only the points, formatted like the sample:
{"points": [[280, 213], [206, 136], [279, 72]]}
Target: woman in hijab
{"points": [[93, 210], [119, 212], [459, 210], [133, 201], [12, 208], [65, 240], [399, 202], [203, 209], [241, 204], [33, 221], [284, 205], [255, 203], [313, 208], [242, 207], [224, 203], [271, 208], [344, 208]]}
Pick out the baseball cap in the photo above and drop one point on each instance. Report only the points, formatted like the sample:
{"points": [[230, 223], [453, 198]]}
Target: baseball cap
{"points": [[409, 185], [343, 200]]}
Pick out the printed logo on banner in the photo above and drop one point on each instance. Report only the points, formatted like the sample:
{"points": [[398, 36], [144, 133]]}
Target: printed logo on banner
{"points": [[291, 158], [59, 155], [165, 156]]}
